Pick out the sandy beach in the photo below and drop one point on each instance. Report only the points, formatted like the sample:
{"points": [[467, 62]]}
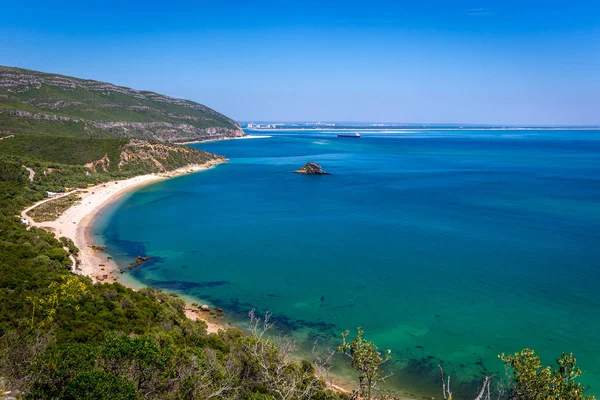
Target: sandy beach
{"points": [[77, 221]]}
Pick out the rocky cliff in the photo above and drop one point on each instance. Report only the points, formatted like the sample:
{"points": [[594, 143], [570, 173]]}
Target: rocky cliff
{"points": [[42, 103], [118, 157]]}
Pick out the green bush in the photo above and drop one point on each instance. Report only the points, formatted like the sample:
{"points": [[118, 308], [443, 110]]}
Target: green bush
{"points": [[95, 385]]}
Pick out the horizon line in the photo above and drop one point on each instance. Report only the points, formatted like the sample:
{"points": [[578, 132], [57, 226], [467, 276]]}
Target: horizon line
{"points": [[411, 124]]}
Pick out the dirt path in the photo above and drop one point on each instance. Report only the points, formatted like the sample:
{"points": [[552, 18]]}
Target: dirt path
{"points": [[31, 173]]}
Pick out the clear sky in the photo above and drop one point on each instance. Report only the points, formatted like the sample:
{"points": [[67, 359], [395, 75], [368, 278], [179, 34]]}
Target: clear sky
{"points": [[478, 61]]}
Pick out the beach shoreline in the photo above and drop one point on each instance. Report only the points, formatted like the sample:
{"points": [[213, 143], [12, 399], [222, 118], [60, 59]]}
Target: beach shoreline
{"points": [[77, 222]]}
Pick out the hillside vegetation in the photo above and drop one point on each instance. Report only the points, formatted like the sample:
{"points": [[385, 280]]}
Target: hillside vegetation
{"points": [[43, 103], [79, 157], [63, 337]]}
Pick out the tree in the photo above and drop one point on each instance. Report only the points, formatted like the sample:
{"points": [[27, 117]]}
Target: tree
{"points": [[139, 360], [269, 360], [20, 348], [62, 294], [366, 359], [484, 392], [206, 374], [531, 381], [95, 385]]}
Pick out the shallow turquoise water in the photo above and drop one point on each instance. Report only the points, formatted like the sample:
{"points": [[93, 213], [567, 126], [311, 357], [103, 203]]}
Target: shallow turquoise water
{"points": [[446, 246]]}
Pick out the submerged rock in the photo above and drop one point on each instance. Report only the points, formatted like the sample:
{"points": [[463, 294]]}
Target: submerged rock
{"points": [[311, 168]]}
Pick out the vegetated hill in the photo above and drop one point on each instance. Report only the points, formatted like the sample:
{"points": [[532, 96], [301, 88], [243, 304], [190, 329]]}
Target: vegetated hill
{"points": [[117, 157], [43, 103]]}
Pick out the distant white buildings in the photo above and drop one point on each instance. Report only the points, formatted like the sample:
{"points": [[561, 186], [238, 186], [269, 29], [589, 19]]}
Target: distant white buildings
{"points": [[52, 194], [261, 126]]}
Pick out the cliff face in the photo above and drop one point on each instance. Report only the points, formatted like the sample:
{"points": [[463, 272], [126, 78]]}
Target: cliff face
{"points": [[166, 131], [116, 156], [36, 102], [162, 157]]}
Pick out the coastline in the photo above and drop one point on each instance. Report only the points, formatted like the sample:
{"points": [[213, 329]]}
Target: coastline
{"points": [[400, 129], [204, 141], [226, 138], [76, 224]]}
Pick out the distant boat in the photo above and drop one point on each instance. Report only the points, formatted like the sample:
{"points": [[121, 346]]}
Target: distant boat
{"points": [[349, 135]]}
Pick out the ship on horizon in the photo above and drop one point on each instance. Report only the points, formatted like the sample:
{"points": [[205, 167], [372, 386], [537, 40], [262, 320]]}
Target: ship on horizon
{"points": [[355, 135]]}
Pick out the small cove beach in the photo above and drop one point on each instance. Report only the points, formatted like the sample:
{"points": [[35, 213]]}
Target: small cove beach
{"points": [[76, 223]]}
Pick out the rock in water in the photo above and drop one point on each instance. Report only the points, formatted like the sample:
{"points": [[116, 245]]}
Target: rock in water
{"points": [[312, 168]]}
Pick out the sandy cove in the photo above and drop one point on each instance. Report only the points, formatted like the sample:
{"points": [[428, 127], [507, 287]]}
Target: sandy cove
{"points": [[76, 224]]}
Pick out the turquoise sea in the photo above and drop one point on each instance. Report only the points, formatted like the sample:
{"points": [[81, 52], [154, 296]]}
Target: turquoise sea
{"points": [[448, 247]]}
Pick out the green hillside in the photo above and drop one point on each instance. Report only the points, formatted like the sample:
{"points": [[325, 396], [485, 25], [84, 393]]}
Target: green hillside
{"points": [[43, 103], [113, 157]]}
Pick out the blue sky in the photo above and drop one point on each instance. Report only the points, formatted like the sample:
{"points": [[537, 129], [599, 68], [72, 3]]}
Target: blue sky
{"points": [[499, 62]]}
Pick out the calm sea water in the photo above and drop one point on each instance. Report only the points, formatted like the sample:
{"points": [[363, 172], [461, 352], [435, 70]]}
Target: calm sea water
{"points": [[448, 247]]}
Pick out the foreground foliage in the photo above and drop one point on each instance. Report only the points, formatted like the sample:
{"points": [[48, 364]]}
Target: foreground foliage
{"points": [[532, 381], [366, 360], [526, 378]]}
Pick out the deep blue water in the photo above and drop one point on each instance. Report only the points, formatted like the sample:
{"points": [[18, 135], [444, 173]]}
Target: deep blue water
{"points": [[448, 247]]}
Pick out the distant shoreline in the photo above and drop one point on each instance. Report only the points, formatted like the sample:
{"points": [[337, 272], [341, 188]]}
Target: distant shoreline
{"points": [[226, 138], [382, 128]]}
